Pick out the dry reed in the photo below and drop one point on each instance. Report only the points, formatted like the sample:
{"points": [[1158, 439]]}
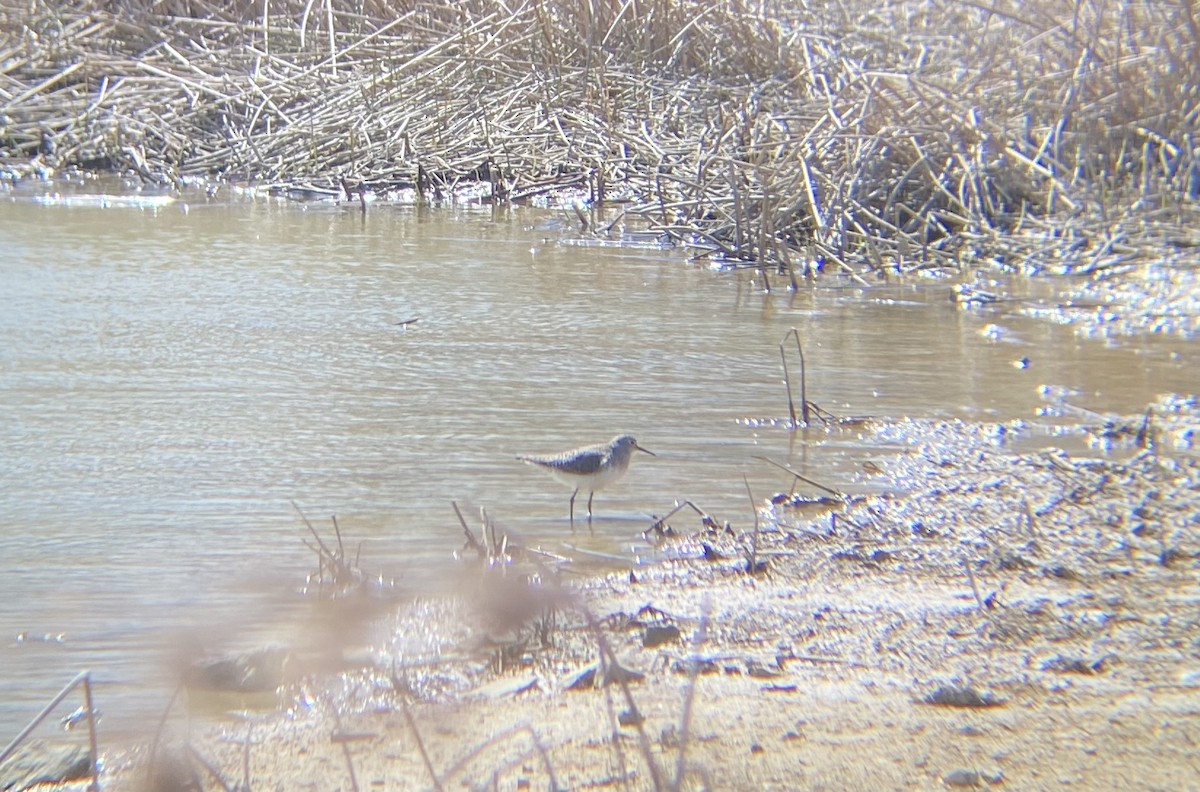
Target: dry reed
{"points": [[849, 136]]}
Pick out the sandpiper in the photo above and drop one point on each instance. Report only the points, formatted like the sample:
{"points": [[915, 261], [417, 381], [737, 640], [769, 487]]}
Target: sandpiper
{"points": [[589, 468]]}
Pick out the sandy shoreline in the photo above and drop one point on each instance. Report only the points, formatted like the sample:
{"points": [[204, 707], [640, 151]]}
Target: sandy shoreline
{"points": [[828, 670]]}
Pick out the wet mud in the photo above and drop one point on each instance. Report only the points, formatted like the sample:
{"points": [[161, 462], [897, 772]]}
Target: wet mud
{"points": [[995, 617]]}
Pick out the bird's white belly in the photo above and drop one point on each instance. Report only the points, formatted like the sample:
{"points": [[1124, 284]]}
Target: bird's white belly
{"points": [[593, 482]]}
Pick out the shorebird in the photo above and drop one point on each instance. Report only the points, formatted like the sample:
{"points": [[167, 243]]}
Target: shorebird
{"points": [[589, 468]]}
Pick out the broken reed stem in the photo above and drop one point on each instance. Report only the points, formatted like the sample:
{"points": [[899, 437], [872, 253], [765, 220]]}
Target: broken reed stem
{"points": [[341, 554], [662, 521], [803, 378], [787, 383], [754, 541], [472, 542], [805, 479], [490, 529], [324, 551], [787, 380]]}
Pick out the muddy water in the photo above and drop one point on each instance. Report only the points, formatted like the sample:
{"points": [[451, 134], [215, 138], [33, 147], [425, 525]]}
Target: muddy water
{"points": [[173, 376]]}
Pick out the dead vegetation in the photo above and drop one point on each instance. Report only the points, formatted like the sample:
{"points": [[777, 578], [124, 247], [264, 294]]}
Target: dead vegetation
{"points": [[853, 136]]}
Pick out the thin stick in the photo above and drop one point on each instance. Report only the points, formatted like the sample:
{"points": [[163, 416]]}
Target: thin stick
{"points": [[42, 86], [412, 725], [803, 377], [805, 479], [338, 532], [661, 522], [754, 542], [472, 542], [787, 383], [324, 550]]}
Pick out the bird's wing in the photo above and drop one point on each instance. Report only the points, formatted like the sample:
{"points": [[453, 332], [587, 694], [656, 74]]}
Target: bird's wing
{"points": [[582, 463]]}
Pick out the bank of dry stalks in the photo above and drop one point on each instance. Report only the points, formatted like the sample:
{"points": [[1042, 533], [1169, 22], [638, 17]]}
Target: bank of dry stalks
{"points": [[898, 134]]}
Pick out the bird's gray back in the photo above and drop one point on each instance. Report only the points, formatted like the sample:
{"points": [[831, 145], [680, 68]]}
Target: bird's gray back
{"points": [[583, 462]]}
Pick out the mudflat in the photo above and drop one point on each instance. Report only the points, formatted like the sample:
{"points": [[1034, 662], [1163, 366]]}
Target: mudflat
{"points": [[1024, 620]]}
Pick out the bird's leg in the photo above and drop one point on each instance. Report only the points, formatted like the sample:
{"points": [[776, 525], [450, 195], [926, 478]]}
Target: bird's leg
{"points": [[573, 494], [590, 496]]}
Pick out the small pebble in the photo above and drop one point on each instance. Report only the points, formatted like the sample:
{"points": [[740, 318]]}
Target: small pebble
{"points": [[961, 778]]}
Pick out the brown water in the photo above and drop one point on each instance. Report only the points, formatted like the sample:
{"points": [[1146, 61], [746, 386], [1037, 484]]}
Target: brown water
{"points": [[172, 377]]}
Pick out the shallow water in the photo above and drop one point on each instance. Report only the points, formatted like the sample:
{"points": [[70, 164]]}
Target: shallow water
{"points": [[173, 376]]}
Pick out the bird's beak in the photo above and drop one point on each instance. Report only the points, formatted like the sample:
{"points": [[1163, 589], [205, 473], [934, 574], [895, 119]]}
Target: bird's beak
{"points": [[639, 448]]}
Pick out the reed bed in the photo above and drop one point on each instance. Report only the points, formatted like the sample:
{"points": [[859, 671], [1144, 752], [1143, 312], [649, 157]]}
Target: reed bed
{"points": [[790, 136]]}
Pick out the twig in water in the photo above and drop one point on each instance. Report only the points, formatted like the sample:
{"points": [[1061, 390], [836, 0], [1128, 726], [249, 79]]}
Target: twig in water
{"points": [[787, 381], [805, 479], [341, 572], [490, 526], [472, 542], [338, 533], [324, 551], [787, 384], [753, 542], [584, 224]]}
